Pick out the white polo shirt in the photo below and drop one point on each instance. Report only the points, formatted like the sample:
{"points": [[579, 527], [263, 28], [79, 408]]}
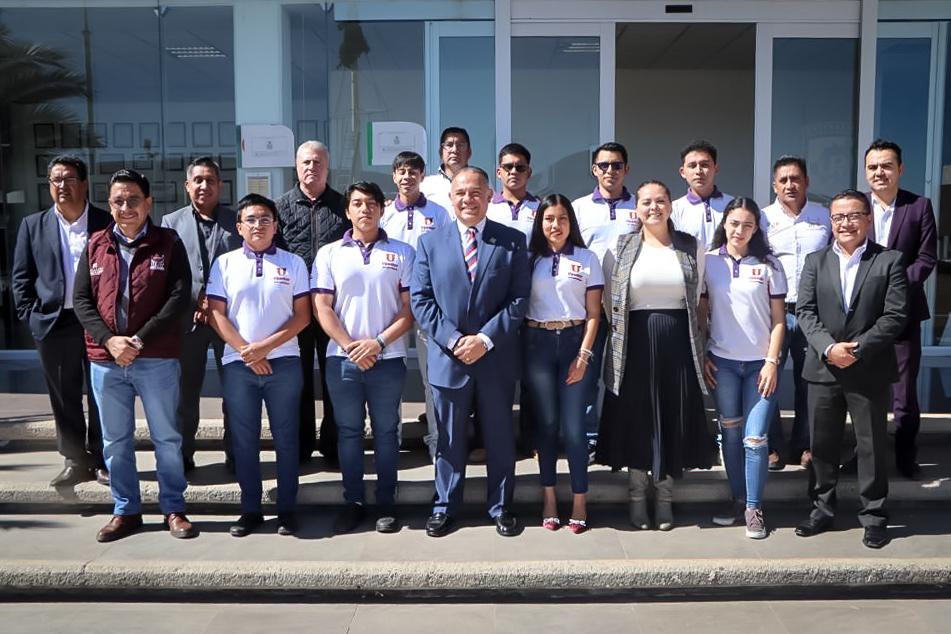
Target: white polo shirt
{"points": [[602, 220], [520, 215], [699, 217], [407, 223], [560, 283], [793, 238], [436, 188], [259, 290], [366, 282], [740, 292]]}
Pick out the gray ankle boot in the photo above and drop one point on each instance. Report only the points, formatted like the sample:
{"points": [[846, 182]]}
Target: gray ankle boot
{"points": [[638, 483], [664, 511]]}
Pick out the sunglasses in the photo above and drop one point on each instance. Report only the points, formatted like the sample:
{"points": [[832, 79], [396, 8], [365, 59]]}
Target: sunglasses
{"points": [[520, 168], [617, 166]]}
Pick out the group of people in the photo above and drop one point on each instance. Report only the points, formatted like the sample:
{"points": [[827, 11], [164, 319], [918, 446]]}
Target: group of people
{"points": [[626, 293]]}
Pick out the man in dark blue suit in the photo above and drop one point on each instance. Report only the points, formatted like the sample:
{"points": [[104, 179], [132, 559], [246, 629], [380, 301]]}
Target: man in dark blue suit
{"points": [[469, 294], [49, 244]]}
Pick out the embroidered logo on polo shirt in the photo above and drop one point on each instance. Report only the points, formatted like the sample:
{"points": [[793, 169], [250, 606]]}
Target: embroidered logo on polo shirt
{"points": [[428, 224], [390, 262], [281, 271], [157, 263], [575, 272], [95, 269], [757, 274], [632, 218]]}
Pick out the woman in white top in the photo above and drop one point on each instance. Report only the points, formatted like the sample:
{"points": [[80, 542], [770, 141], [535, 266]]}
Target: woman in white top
{"points": [[653, 417], [745, 293], [561, 324]]}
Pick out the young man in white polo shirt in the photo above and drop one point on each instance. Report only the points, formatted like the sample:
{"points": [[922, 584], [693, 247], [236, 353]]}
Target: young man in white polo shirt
{"points": [[410, 216], [361, 299], [455, 150], [514, 206], [698, 212], [795, 227], [603, 215], [259, 299]]}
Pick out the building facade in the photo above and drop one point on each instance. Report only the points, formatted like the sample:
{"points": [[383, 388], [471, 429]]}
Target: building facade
{"points": [[150, 85]]}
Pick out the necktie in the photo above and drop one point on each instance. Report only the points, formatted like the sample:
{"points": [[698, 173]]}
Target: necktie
{"points": [[469, 249]]}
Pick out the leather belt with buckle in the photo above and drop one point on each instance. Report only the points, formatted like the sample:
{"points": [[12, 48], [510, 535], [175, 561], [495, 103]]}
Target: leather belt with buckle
{"points": [[554, 325]]}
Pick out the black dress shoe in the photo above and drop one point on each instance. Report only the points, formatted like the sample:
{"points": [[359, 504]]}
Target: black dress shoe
{"points": [[506, 524], [246, 524], [875, 536], [850, 466], [909, 470], [438, 525], [71, 476], [286, 523], [813, 526], [102, 476], [386, 520]]}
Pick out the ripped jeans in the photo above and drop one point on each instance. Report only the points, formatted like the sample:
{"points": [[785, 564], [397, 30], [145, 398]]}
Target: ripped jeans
{"points": [[744, 426]]}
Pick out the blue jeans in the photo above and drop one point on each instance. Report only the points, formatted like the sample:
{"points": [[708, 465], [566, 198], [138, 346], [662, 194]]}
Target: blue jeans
{"points": [[744, 421], [243, 392], [556, 406], [794, 344], [353, 391], [592, 402], [155, 381]]}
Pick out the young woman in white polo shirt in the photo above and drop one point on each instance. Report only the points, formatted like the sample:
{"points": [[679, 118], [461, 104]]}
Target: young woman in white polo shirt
{"points": [[744, 295], [360, 286], [561, 324]]}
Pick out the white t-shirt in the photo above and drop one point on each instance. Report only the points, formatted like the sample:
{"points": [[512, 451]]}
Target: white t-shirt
{"points": [[657, 280], [792, 239], [436, 189], [367, 283], [739, 292], [560, 283], [259, 290], [407, 223], [519, 216], [698, 217]]}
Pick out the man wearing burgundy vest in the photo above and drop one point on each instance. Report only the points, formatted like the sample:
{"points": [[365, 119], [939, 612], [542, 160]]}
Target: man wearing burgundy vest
{"points": [[903, 221], [133, 288]]}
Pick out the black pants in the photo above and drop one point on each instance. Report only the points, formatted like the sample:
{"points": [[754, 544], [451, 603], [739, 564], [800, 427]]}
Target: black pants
{"points": [[828, 404], [193, 360], [311, 339], [66, 368]]}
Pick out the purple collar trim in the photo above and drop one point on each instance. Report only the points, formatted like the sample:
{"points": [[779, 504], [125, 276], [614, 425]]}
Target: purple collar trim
{"points": [[258, 257], [693, 199], [515, 208], [365, 250], [734, 261], [420, 202], [597, 197]]}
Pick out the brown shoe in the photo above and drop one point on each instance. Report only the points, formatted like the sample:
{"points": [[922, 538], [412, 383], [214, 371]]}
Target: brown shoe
{"points": [[806, 459], [118, 527], [179, 526]]}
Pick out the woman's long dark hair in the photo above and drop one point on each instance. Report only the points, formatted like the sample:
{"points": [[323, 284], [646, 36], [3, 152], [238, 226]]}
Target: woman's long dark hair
{"points": [[538, 244], [758, 246]]}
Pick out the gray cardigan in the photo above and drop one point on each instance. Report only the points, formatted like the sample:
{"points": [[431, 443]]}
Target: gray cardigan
{"points": [[617, 272]]}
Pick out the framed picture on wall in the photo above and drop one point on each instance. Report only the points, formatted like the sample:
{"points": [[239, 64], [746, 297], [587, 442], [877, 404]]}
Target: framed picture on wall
{"points": [[173, 163], [42, 163], [203, 134], [97, 135], [122, 135], [71, 135], [44, 135], [226, 195], [142, 162], [100, 192], [227, 134], [175, 134], [111, 163], [149, 136]]}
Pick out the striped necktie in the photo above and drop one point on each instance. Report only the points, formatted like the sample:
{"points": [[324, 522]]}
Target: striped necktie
{"points": [[470, 251]]}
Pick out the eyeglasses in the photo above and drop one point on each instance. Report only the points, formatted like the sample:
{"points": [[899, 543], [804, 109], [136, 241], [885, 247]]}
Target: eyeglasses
{"points": [[60, 181], [448, 145], [519, 168], [617, 166], [131, 202], [260, 221], [838, 219]]}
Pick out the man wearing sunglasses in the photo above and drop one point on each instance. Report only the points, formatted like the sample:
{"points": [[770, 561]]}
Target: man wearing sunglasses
{"points": [[514, 206], [698, 212]]}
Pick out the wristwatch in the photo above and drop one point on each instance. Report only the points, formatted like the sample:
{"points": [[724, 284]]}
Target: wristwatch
{"points": [[136, 342]]}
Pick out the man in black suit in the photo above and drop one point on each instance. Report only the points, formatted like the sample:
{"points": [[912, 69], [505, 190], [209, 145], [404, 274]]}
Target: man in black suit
{"points": [[49, 245], [852, 304]]}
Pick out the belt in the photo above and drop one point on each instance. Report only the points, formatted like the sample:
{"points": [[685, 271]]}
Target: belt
{"points": [[554, 325], [791, 308]]}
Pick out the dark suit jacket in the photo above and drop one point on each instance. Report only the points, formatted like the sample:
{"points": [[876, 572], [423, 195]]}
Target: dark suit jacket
{"points": [[877, 315], [447, 305], [913, 233], [37, 278], [226, 239]]}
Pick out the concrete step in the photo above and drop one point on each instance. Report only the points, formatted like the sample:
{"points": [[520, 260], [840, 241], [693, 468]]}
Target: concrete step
{"points": [[59, 556], [26, 474]]}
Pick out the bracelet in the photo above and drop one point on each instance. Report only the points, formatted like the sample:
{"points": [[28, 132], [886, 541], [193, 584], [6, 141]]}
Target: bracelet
{"points": [[380, 342], [772, 360], [583, 360], [585, 354]]}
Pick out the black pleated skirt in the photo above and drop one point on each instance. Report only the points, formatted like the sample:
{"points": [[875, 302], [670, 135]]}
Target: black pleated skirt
{"points": [[657, 422]]}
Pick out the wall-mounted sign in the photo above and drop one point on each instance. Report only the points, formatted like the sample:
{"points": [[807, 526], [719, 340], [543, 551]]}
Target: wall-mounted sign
{"points": [[266, 145], [386, 139]]}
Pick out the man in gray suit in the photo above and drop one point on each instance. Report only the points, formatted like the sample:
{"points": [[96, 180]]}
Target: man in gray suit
{"points": [[207, 229]]}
